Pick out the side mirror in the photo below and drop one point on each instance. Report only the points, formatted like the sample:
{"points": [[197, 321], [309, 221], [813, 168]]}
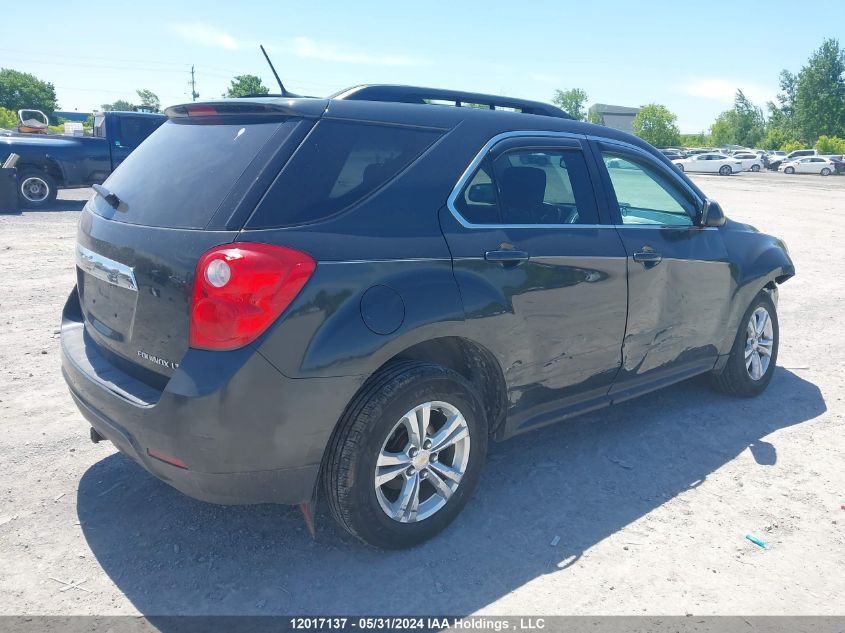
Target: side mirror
{"points": [[482, 193], [712, 214]]}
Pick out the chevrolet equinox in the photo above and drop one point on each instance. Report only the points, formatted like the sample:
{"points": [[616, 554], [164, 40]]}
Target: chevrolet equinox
{"points": [[276, 296]]}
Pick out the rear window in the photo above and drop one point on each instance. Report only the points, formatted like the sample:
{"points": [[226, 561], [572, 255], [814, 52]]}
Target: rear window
{"points": [[184, 171], [338, 164]]}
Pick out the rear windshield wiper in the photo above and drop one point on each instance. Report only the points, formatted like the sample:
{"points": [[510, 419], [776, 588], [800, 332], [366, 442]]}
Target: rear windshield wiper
{"points": [[108, 196]]}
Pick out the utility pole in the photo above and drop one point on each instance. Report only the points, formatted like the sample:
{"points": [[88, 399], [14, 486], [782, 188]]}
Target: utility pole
{"points": [[194, 93]]}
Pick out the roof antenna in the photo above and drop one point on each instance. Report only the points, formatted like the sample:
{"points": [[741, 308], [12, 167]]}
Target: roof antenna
{"points": [[285, 93]]}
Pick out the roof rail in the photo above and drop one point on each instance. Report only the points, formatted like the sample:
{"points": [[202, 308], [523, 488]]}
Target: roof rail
{"points": [[458, 98]]}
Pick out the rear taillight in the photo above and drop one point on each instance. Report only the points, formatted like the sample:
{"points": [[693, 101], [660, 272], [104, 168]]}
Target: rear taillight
{"points": [[240, 289]]}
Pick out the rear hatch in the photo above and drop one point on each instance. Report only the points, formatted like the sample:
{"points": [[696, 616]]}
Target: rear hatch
{"points": [[189, 187]]}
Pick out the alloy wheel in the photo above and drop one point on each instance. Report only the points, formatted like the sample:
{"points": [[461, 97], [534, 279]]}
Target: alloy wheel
{"points": [[422, 462], [34, 189], [759, 343]]}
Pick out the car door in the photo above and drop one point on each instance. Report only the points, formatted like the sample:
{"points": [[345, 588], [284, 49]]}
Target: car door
{"points": [[679, 277], [815, 165], [710, 163], [541, 273]]}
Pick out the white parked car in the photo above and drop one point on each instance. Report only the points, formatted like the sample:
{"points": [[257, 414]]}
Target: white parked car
{"points": [[750, 161], [809, 165], [710, 163]]}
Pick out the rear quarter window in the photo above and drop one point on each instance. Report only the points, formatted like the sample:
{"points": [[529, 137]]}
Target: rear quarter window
{"points": [[338, 164]]}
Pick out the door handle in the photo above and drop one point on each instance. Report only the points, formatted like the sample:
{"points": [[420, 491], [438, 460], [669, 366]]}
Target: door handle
{"points": [[506, 257], [647, 257]]}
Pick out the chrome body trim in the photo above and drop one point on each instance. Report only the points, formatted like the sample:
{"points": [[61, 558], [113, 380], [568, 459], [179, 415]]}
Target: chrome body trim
{"points": [[106, 269], [479, 157]]}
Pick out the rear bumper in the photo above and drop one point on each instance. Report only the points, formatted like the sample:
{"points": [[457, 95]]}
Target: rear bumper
{"points": [[245, 432]]}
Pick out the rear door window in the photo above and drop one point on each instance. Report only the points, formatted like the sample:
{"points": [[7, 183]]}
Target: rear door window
{"points": [[339, 164], [183, 172]]}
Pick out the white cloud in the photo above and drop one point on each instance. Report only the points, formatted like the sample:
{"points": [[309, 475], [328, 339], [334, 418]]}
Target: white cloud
{"points": [[324, 51], [206, 35], [724, 90]]}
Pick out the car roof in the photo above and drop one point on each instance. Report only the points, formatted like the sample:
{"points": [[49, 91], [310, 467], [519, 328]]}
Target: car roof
{"points": [[420, 96], [422, 114], [477, 123]]}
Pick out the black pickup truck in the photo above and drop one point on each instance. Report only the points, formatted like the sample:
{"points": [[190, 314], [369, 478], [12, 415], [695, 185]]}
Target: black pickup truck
{"points": [[51, 162]]}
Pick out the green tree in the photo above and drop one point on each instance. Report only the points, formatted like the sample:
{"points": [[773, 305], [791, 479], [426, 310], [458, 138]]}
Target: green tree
{"points": [[750, 122], [149, 100], [723, 130], [781, 124], [245, 85], [8, 119], [775, 138], [655, 124], [695, 140], [830, 145], [593, 116], [820, 94], [791, 146], [572, 101], [743, 125], [121, 105], [21, 90]]}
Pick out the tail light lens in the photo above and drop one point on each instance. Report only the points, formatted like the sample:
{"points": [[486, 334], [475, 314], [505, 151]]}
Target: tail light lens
{"points": [[241, 289]]}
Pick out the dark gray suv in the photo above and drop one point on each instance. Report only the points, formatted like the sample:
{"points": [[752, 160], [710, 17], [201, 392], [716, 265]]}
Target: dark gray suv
{"points": [[356, 293]]}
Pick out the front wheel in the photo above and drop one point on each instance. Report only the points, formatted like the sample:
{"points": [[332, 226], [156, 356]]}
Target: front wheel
{"points": [[825, 172], [407, 455], [36, 189], [725, 170], [751, 363], [755, 168], [789, 170]]}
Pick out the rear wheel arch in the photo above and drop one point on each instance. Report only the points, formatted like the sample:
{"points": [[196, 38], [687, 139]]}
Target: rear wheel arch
{"points": [[352, 463], [475, 363], [37, 188], [48, 166], [472, 361]]}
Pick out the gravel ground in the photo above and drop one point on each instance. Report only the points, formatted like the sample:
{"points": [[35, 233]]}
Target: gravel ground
{"points": [[648, 502]]}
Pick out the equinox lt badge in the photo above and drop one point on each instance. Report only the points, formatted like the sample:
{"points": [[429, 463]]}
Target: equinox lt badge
{"points": [[157, 360]]}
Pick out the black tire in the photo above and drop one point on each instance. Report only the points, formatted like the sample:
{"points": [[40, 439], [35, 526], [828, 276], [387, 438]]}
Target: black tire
{"points": [[725, 170], [681, 167], [789, 170], [350, 465], [825, 172], [755, 168], [36, 188], [734, 379]]}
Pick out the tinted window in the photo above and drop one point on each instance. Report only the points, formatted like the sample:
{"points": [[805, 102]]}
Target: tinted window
{"points": [[646, 196], [530, 187], [479, 202], [338, 164], [132, 130], [182, 173]]}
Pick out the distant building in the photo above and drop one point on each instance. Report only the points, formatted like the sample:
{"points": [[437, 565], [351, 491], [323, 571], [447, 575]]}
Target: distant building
{"points": [[71, 116], [617, 117]]}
